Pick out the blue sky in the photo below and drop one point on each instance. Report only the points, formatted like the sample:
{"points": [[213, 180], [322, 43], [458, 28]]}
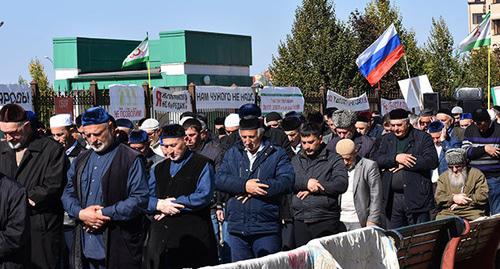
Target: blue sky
{"points": [[30, 26]]}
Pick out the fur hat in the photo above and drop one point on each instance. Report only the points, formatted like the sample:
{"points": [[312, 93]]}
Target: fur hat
{"points": [[456, 156], [344, 118]]}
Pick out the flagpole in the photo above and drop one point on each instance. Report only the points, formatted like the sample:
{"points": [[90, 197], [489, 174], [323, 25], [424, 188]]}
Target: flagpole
{"points": [[407, 68], [148, 65], [489, 76]]}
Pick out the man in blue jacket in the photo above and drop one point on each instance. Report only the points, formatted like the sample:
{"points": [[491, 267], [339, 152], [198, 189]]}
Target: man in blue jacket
{"points": [[255, 174]]}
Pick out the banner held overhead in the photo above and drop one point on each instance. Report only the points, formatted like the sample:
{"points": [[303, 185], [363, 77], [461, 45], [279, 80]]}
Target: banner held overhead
{"points": [[218, 97], [171, 100], [359, 103], [16, 94], [126, 101]]}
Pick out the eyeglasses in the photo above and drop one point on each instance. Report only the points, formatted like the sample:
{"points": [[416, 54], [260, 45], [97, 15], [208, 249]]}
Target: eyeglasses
{"points": [[17, 132]]}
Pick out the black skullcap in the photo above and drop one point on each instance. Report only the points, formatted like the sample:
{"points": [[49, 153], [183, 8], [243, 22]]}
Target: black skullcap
{"points": [[249, 110], [290, 123], [95, 115], [124, 123], [12, 113], [138, 137], [398, 114], [362, 118], [219, 121], [172, 131], [273, 116], [249, 123], [315, 117], [435, 126], [481, 114]]}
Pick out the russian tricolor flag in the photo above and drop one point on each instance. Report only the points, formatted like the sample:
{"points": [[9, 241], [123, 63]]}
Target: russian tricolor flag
{"points": [[377, 59]]}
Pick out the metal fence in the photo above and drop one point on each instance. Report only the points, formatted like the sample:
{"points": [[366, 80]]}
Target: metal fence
{"points": [[48, 103]]}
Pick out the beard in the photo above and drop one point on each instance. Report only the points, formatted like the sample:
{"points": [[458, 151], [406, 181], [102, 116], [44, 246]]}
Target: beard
{"points": [[100, 146], [458, 180]]}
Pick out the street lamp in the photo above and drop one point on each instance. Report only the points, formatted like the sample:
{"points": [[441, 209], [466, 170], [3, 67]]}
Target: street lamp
{"points": [[49, 59]]}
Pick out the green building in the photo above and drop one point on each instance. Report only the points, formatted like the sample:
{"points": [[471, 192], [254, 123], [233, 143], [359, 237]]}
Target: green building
{"points": [[177, 59]]}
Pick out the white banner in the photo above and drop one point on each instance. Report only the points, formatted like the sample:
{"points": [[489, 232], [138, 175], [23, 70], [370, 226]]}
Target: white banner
{"points": [[16, 94], [281, 99], [359, 103], [495, 93], [218, 97], [413, 90], [389, 105], [126, 101], [171, 100]]}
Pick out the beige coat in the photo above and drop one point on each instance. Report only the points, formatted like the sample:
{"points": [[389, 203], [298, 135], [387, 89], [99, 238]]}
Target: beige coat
{"points": [[475, 187]]}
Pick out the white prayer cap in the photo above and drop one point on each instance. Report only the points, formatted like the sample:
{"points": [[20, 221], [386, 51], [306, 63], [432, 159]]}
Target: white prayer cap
{"points": [[60, 120], [457, 110], [150, 124], [232, 120], [181, 122]]}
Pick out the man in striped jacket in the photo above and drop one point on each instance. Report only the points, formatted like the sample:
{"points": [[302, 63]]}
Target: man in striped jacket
{"points": [[482, 142]]}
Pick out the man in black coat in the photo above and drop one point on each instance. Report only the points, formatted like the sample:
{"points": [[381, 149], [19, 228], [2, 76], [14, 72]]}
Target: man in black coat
{"points": [[14, 225], [320, 177], [407, 157], [39, 164]]}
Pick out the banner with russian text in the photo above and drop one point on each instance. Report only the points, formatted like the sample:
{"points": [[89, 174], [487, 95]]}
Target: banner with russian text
{"points": [[387, 106], [218, 97], [16, 94], [281, 99], [126, 101], [359, 103], [171, 100]]}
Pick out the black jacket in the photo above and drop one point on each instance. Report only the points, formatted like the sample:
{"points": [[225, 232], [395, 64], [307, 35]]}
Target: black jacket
{"points": [[14, 225], [417, 185], [42, 172], [329, 169]]}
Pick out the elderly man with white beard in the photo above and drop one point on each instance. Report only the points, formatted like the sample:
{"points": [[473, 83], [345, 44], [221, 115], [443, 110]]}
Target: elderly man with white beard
{"points": [[462, 190]]}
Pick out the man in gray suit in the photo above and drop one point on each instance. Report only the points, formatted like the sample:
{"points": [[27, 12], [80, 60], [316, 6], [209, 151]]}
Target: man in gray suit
{"points": [[361, 204]]}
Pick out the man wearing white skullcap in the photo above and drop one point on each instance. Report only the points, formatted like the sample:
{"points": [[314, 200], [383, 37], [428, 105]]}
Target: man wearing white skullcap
{"points": [[62, 129], [232, 123], [152, 127]]}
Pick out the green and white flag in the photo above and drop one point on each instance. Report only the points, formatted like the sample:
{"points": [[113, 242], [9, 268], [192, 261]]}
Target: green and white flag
{"points": [[139, 55], [479, 37]]}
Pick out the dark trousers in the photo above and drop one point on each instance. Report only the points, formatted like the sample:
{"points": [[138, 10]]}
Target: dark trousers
{"points": [[69, 234], [494, 194], [46, 240], [305, 232], [287, 236], [253, 246], [400, 216]]}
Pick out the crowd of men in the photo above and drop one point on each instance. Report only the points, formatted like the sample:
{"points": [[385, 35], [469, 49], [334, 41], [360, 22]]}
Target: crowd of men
{"points": [[99, 192]]}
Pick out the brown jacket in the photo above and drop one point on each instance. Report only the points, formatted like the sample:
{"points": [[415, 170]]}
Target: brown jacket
{"points": [[475, 188]]}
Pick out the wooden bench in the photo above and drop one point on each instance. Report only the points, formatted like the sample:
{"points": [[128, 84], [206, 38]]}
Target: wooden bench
{"points": [[476, 248], [422, 245]]}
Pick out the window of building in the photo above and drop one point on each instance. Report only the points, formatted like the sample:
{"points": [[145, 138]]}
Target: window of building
{"points": [[496, 27], [477, 18]]}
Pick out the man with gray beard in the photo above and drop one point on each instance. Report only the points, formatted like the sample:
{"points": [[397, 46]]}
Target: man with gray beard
{"points": [[462, 190]]}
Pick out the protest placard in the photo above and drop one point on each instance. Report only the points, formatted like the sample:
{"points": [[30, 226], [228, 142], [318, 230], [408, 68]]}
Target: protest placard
{"points": [[16, 94], [218, 97], [126, 101], [413, 90], [171, 100], [281, 99], [389, 105], [359, 103]]}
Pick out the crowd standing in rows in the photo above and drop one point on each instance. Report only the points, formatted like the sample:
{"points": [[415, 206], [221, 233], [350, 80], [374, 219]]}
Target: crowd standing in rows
{"points": [[99, 192]]}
